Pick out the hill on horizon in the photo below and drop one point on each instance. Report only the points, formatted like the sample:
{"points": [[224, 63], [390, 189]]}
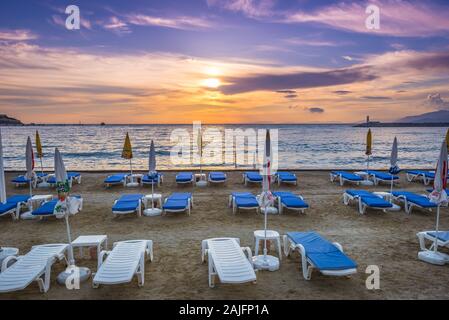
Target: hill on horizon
{"points": [[439, 116]]}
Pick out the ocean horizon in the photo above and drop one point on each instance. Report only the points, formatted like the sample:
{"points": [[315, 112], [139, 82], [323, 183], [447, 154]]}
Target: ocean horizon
{"points": [[300, 146]]}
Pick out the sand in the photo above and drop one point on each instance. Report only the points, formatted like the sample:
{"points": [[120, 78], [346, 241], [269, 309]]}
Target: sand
{"points": [[387, 240]]}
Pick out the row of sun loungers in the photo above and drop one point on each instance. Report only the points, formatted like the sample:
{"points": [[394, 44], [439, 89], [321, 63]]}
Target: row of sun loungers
{"points": [[50, 179], [227, 260]]}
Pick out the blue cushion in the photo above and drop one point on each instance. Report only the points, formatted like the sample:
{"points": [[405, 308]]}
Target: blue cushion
{"points": [[283, 194], [427, 174], [217, 176], [131, 197], [175, 204], [286, 176], [18, 198], [253, 176], [46, 208], [359, 193], [348, 175], [20, 179], [115, 178], [246, 202], [323, 254], [294, 202], [5, 207], [125, 206], [442, 235], [242, 194], [376, 202], [382, 175], [151, 178], [184, 177], [180, 196]]}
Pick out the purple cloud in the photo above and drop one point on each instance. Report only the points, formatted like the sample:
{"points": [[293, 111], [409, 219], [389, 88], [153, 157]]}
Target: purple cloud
{"points": [[273, 82]]}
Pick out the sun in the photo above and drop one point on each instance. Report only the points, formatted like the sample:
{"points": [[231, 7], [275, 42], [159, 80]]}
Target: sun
{"points": [[211, 83]]}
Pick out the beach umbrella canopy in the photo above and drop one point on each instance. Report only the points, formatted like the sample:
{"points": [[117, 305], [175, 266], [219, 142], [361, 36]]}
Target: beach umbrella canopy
{"points": [[39, 152], [29, 158], [127, 152], [152, 159], [2, 173], [369, 143], [60, 171]]}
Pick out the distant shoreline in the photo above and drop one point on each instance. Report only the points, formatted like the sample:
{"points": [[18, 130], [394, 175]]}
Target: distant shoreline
{"points": [[400, 124]]}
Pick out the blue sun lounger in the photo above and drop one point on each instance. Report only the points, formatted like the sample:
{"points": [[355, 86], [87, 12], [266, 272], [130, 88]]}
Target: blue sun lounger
{"points": [[116, 179], [48, 207], [366, 199], [442, 239], [243, 200], [378, 176], [128, 203], [178, 202], [411, 200], [72, 176], [13, 205], [344, 176], [217, 177], [185, 178], [420, 175], [291, 201], [286, 177], [156, 179], [21, 180], [253, 177], [319, 253]]}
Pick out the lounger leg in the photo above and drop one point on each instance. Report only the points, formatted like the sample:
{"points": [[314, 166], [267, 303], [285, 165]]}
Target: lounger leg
{"points": [[361, 206], [150, 250], [44, 284], [306, 268], [342, 182], [203, 250], [422, 241], [286, 246], [211, 272], [141, 271]]}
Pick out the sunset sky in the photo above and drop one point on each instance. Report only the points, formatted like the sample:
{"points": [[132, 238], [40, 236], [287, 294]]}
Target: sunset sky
{"points": [[218, 61]]}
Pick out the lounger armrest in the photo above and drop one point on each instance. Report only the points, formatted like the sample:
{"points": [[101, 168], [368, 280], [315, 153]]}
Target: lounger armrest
{"points": [[101, 257], [339, 246], [249, 253], [7, 260]]}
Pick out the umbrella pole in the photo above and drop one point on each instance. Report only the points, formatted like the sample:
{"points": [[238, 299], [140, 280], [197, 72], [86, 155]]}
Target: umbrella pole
{"points": [[152, 194], [131, 168], [265, 235], [71, 259], [435, 244], [391, 190], [42, 167], [31, 187]]}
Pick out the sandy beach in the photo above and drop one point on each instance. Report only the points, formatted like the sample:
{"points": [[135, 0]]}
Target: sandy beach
{"points": [[376, 238]]}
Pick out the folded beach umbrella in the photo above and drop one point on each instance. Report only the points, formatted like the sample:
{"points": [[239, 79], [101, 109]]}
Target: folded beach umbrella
{"points": [[447, 138], [368, 152], [266, 262], [202, 182], [127, 153], [152, 173], [439, 197], [62, 209], [2, 174], [39, 152], [29, 159], [394, 168]]}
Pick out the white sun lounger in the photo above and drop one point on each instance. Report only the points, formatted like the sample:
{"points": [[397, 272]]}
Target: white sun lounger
{"points": [[126, 259], [228, 261], [34, 266], [443, 239]]}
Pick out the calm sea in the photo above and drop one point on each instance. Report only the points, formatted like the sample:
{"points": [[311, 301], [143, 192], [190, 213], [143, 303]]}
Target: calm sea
{"points": [[299, 146]]}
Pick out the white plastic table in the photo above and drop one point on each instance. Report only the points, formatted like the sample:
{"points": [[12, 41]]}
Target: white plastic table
{"points": [[200, 176], [7, 252], [259, 235], [157, 197], [98, 241]]}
